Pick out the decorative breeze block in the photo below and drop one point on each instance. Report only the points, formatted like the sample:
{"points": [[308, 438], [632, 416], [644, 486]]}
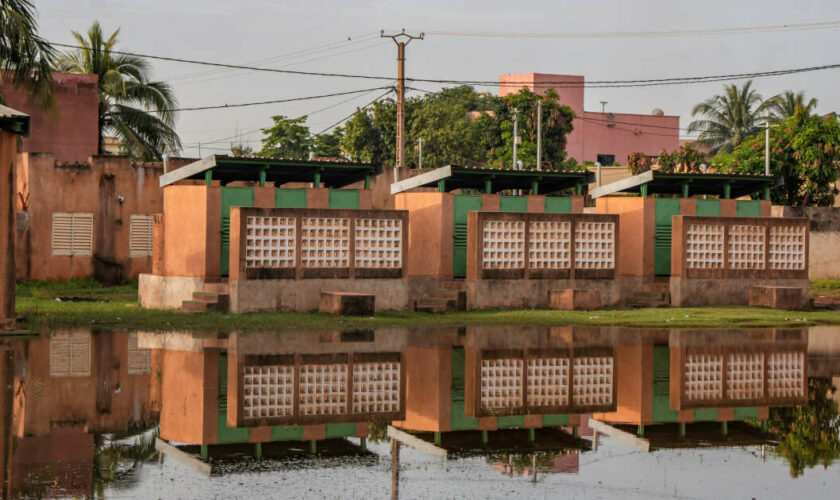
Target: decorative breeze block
{"points": [[787, 247], [549, 245], [745, 376], [378, 243], [704, 246], [548, 382], [504, 244], [325, 242], [785, 375], [268, 392], [376, 387], [703, 376], [501, 383], [270, 242], [592, 381], [323, 389], [594, 245], [746, 247]]}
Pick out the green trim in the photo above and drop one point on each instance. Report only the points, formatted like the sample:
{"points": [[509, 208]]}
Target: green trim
{"points": [[682, 429], [340, 430], [662, 411], [488, 186], [458, 421], [708, 208], [555, 420], [643, 190], [347, 199], [367, 181], [748, 208], [727, 191], [640, 431], [208, 177], [558, 205], [437, 438], [225, 434], [532, 435], [290, 198], [685, 190], [746, 413], [724, 428], [511, 422], [513, 204], [258, 451], [363, 444], [706, 415], [316, 179], [262, 177], [204, 453], [313, 447], [484, 437], [287, 433], [231, 197], [578, 188], [462, 204], [766, 193], [535, 187]]}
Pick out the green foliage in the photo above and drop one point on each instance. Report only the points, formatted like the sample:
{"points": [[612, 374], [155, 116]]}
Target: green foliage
{"points": [[809, 434], [804, 152], [729, 118], [287, 138], [24, 55], [362, 140], [784, 105], [329, 144], [638, 163], [687, 159], [241, 151], [132, 107]]}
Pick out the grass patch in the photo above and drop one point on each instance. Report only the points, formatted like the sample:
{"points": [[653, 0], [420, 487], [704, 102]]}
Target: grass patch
{"points": [[117, 307], [830, 288]]}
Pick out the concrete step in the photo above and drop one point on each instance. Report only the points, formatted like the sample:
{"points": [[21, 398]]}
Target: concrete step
{"points": [[452, 284], [457, 298], [214, 301], [220, 287], [432, 305], [192, 306]]}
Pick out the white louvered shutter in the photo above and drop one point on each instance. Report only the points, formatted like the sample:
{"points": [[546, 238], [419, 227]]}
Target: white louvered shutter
{"points": [[139, 360], [140, 236], [82, 234], [62, 234], [70, 354]]}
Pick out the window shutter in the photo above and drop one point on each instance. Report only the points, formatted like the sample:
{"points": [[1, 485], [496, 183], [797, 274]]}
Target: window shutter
{"points": [[70, 354], [140, 236], [139, 360], [82, 234], [62, 234]]}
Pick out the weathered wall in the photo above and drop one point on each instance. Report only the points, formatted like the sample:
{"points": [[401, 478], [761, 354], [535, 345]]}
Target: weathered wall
{"points": [[635, 257], [189, 396], [192, 218], [112, 188], [428, 380], [71, 130], [429, 234], [824, 238]]}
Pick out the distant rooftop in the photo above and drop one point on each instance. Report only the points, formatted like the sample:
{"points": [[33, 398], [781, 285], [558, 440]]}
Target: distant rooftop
{"points": [[13, 120], [725, 185], [493, 180], [226, 169]]}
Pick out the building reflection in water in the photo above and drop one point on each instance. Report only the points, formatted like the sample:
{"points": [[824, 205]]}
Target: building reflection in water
{"points": [[522, 398]]}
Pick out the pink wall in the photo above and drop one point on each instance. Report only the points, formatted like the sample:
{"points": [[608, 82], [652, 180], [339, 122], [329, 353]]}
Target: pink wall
{"points": [[593, 133], [71, 130]]}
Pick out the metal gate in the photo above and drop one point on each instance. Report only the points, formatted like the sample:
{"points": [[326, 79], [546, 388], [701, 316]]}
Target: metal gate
{"points": [[665, 209], [461, 205], [231, 197]]}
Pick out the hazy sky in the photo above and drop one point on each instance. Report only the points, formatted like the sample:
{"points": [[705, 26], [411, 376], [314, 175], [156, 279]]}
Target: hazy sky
{"points": [[264, 33]]}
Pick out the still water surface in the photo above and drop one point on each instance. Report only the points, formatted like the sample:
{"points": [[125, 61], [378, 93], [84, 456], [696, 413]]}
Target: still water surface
{"points": [[481, 413]]}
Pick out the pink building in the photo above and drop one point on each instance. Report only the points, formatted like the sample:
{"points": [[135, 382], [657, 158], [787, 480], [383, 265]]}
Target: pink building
{"points": [[604, 137], [70, 131]]}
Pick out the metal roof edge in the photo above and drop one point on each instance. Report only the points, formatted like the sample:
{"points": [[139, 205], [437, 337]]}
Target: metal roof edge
{"points": [[187, 171]]}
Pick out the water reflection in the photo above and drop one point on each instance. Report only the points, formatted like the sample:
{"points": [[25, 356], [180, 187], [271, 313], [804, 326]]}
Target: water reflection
{"points": [[85, 411]]}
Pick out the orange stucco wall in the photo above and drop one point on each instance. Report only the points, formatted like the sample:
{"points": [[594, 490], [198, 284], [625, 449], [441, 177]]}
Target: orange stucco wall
{"points": [[430, 232], [70, 130], [192, 218], [634, 392], [635, 232], [188, 396], [428, 377]]}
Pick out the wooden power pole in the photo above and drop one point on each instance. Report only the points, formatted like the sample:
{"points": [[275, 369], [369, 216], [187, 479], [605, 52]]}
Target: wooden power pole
{"points": [[401, 39]]}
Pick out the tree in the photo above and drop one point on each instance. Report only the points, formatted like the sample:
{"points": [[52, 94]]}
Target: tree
{"points": [[784, 105], [329, 145], [362, 139], [241, 150], [804, 152], [287, 138], [24, 55], [729, 118], [132, 107], [808, 434]]}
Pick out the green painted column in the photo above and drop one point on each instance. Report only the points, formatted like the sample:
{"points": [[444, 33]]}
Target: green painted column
{"points": [[441, 186], [685, 190], [764, 425], [643, 190], [258, 451], [682, 429], [535, 187], [640, 431], [575, 432], [766, 192], [488, 186], [313, 447], [262, 177], [484, 438], [208, 176], [363, 443], [727, 191], [578, 188], [205, 453], [316, 181], [532, 435], [437, 438], [724, 428]]}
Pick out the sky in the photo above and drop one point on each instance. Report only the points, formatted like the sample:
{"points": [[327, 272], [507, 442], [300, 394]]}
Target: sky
{"points": [[343, 37]]}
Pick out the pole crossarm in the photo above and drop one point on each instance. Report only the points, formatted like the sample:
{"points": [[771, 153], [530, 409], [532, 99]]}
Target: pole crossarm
{"points": [[401, 39]]}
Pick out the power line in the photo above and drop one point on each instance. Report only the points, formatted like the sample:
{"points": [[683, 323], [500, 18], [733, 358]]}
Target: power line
{"points": [[353, 113], [260, 103], [644, 34]]}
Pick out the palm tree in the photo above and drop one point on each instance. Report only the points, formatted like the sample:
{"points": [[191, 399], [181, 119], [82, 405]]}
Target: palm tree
{"points": [[784, 105], [133, 108], [729, 118], [24, 55]]}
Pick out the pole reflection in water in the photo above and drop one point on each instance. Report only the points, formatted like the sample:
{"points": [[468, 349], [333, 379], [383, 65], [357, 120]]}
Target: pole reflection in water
{"points": [[84, 410]]}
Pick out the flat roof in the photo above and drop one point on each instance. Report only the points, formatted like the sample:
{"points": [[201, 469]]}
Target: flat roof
{"points": [[331, 174], [452, 177], [672, 183]]}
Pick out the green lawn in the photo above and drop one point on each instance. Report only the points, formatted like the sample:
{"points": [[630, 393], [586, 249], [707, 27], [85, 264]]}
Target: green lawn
{"points": [[830, 288], [116, 307]]}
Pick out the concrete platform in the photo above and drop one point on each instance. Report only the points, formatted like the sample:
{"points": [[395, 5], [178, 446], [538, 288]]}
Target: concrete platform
{"points": [[574, 298], [777, 297], [700, 292], [347, 303]]}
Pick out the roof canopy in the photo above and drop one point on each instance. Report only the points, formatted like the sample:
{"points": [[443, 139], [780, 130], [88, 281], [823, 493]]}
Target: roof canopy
{"points": [[13, 121], [493, 180], [656, 182], [332, 174]]}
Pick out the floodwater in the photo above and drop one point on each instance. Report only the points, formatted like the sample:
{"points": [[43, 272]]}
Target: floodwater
{"points": [[483, 412]]}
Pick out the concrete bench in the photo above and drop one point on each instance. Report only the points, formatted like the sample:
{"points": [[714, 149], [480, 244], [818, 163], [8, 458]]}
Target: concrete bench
{"points": [[347, 303], [777, 297], [568, 299]]}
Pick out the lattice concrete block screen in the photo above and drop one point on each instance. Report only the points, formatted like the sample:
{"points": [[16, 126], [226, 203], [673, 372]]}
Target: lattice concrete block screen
{"points": [[325, 242], [501, 383], [378, 243], [746, 247], [376, 387], [704, 376], [704, 246], [323, 389], [592, 381], [139, 360], [594, 245], [548, 382], [549, 245], [787, 247], [70, 354], [745, 375], [504, 244], [270, 242], [785, 375], [268, 392]]}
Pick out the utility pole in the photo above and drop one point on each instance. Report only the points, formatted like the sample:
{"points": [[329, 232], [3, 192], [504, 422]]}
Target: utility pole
{"points": [[603, 107], [515, 136], [199, 150], [401, 39], [419, 152], [767, 148], [539, 135]]}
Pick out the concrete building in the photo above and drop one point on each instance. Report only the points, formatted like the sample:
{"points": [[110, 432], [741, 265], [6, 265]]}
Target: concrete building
{"points": [[605, 137]]}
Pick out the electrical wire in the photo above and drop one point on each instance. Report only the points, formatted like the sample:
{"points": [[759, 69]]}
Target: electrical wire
{"points": [[339, 122]]}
